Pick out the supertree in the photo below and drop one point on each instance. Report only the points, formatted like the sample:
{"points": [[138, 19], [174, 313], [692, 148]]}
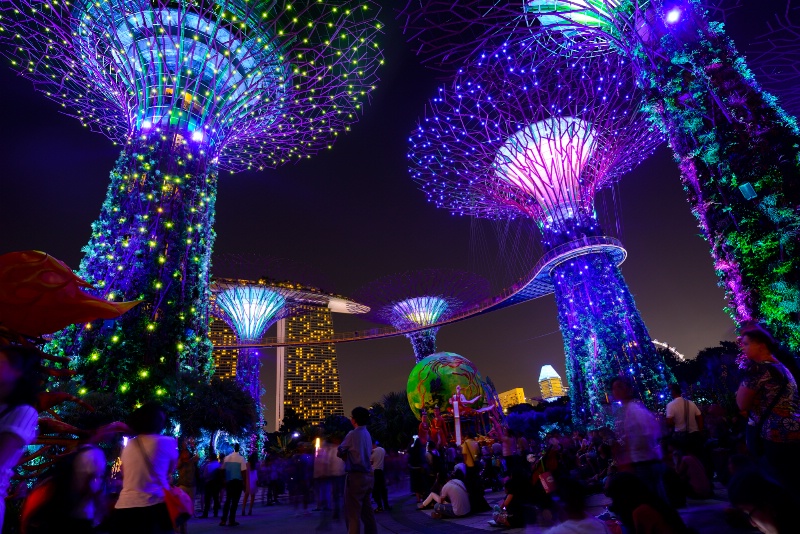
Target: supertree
{"points": [[188, 87], [737, 150], [527, 133], [250, 307], [413, 299]]}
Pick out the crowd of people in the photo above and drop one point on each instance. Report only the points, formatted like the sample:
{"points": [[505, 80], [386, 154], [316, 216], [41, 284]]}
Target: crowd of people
{"points": [[647, 464]]}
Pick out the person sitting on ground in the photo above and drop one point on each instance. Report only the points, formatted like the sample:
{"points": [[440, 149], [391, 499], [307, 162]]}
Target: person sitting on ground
{"points": [[574, 519], [692, 474], [510, 513], [453, 501], [639, 509], [771, 508]]}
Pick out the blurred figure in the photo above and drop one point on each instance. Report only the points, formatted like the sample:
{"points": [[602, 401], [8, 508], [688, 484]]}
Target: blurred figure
{"points": [[147, 462], [19, 386], [686, 421], [187, 476], [251, 483], [771, 508], [510, 512], [638, 449], [574, 519], [380, 493], [214, 479], [639, 509], [769, 393], [452, 501], [72, 499]]}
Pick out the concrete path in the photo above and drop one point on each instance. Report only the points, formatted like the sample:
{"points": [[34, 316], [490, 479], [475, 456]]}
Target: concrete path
{"points": [[705, 516]]}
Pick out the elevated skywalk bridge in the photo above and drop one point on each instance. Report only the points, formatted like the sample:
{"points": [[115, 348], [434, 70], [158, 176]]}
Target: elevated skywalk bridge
{"points": [[536, 285]]}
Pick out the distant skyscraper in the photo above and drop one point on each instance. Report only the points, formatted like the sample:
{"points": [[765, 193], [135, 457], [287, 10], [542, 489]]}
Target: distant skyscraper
{"points": [[225, 360], [550, 382], [511, 398], [308, 376]]}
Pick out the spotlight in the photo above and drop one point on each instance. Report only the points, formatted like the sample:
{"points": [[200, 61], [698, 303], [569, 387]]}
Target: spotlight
{"points": [[673, 15], [146, 125], [197, 135]]}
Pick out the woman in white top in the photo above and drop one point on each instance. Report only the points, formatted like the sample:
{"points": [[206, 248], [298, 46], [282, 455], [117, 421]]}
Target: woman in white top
{"points": [[19, 386], [147, 462]]}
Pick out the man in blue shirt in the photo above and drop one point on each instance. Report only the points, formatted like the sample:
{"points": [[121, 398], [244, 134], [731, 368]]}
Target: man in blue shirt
{"points": [[235, 468], [355, 450]]}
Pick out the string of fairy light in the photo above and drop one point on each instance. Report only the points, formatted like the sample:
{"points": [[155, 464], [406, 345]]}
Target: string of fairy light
{"points": [[188, 88]]}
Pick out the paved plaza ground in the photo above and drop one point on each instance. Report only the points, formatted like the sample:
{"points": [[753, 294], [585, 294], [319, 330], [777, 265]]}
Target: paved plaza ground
{"points": [[705, 516]]}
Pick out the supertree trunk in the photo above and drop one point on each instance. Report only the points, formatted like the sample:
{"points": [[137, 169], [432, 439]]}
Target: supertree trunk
{"points": [[248, 374], [604, 337], [738, 152], [424, 343], [152, 242]]}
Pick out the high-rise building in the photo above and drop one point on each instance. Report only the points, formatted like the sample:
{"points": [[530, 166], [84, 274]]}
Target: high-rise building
{"points": [[225, 360], [308, 376], [550, 382], [511, 398]]}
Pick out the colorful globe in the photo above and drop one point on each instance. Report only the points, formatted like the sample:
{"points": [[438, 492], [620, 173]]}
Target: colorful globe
{"points": [[434, 379]]}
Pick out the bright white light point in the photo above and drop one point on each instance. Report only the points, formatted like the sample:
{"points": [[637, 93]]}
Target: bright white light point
{"points": [[197, 135], [147, 125], [673, 15]]}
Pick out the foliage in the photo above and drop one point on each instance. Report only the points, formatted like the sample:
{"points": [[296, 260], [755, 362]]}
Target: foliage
{"points": [[392, 422], [712, 377], [152, 242], [530, 423], [216, 405], [726, 133], [291, 421]]}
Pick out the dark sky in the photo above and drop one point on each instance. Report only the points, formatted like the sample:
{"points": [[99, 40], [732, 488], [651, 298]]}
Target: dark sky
{"points": [[354, 215]]}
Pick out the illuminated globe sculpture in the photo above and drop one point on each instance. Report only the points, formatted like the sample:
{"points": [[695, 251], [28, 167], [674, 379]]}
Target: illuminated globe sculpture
{"points": [[251, 307], [525, 133], [737, 149], [416, 299], [433, 382], [187, 88]]}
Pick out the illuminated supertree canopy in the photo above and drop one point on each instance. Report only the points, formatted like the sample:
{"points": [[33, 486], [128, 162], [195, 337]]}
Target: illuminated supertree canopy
{"points": [[187, 87], [738, 151], [250, 307], [419, 298], [527, 133]]}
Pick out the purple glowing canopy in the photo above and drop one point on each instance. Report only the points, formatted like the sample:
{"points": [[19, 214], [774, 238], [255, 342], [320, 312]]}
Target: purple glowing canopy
{"points": [[522, 131], [420, 298], [257, 83]]}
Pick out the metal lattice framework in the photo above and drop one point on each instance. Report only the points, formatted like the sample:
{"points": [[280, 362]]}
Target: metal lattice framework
{"points": [[418, 298], [521, 132], [525, 132], [258, 83], [736, 146], [250, 309]]}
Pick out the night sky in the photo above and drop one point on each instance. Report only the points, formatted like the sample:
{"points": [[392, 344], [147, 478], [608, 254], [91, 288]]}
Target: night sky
{"points": [[353, 214]]}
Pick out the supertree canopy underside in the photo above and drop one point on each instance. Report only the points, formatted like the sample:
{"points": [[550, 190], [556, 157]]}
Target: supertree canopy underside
{"points": [[736, 147], [256, 83], [419, 298], [521, 132], [188, 87]]}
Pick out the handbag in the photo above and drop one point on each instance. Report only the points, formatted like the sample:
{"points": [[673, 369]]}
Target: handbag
{"points": [[179, 505]]}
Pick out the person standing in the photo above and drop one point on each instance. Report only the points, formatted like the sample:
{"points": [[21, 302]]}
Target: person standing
{"points": [[147, 462], [769, 393], [19, 386], [235, 468], [638, 449], [213, 479], [356, 450], [187, 476], [380, 493], [251, 483], [686, 421]]}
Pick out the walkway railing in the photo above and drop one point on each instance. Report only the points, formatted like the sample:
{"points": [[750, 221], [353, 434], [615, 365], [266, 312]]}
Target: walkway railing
{"points": [[534, 286]]}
